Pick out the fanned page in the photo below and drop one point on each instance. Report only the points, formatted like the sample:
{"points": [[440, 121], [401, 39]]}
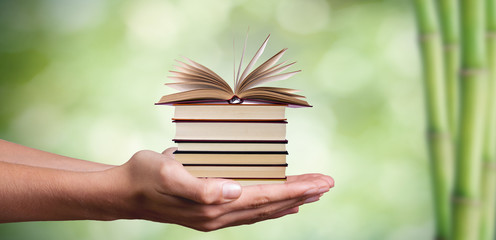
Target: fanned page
{"points": [[195, 95], [198, 83], [199, 74], [273, 94]]}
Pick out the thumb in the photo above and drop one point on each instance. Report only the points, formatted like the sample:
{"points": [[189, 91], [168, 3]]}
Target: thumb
{"points": [[181, 183], [169, 152], [215, 191]]}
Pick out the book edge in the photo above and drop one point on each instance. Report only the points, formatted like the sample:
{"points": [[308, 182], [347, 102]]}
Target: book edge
{"points": [[230, 120], [232, 165], [230, 141], [232, 152]]}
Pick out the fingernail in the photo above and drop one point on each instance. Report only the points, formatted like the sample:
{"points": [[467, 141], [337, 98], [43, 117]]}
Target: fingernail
{"points": [[311, 191], [231, 190], [312, 199]]}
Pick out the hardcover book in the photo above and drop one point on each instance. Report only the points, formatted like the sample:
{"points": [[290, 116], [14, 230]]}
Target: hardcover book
{"points": [[230, 157], [266, 112], [229, 130], [240, 146], [237, 171]]}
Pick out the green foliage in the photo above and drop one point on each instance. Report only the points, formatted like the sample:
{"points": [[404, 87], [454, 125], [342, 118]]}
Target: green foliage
{"points": [[80, 78]]}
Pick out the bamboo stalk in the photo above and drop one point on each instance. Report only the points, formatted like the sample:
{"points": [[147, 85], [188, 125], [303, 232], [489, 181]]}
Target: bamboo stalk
{"points": [[439, 140], [448, 13], [466, 197], [489, 155]]}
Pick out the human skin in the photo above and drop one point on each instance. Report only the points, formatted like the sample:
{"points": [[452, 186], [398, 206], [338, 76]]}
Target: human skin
{"points": [[40, 186], [16, 153]]}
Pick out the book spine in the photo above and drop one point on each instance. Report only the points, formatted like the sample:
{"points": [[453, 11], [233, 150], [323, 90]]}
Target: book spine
{"points": [[233, 152], [234, 165], [229, 141], [284, 120], [259, 179], [230, 120]]}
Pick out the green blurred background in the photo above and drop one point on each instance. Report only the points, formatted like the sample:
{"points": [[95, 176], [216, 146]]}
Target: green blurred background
{"points": [[79, 78]]}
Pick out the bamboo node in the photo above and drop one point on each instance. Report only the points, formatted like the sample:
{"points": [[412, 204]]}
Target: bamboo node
{"points": [[450, 46], [426, 36], [438, 134], [473, 71], [491, 34], [466, 201], [491, 165]]}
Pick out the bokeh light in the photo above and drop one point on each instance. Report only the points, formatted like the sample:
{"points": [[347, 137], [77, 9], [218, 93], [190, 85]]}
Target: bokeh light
{"points": [[80, 78]]}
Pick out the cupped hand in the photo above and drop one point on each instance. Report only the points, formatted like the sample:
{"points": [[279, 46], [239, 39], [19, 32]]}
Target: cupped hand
{"points": [[162, 190]]}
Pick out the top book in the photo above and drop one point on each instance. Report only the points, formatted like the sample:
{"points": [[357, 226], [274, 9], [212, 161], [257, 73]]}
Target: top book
{"points": [[198, 83]]}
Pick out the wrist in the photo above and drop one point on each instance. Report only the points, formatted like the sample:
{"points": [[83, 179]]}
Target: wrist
{"points": [[136, 187], [119, 196]]}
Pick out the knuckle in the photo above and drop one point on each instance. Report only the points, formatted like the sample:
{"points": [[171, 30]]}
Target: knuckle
{"points": [[141, 154], [256, 218], [264, 214], [169, 151], [169, 168], [293, 193], [208, 213], [202, 228], [203, 195], [209, 226], [260, 202], [166, 171]]}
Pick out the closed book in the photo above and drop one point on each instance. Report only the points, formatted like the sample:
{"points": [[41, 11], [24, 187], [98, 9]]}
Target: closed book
{"points": [[237, 171], [229, 112], [277, 146], [258, 181], [210, 157], [229, 130]]}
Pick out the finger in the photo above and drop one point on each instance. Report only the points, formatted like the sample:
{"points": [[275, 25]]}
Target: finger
{"points": [[268, 211], [249, 208], [274, 216], [169, 152], [258, 195], [323, 181], [330, 180], [179, 182], [211, 217], [284, 213]]}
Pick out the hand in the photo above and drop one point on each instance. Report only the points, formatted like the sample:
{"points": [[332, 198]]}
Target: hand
{"points": [[163, 191]]}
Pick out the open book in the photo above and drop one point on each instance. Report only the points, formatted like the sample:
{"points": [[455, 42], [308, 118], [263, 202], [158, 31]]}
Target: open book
{"points": [[198, 83]]}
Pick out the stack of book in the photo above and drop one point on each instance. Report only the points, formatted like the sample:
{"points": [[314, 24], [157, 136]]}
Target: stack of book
{"points": [[237, 133], [244, 142]]}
